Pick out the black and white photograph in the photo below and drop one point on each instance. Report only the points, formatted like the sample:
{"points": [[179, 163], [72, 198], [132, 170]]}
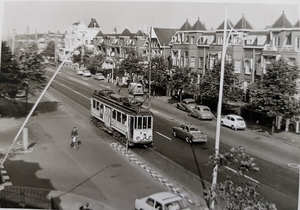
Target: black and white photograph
{"points": [[143, 105]]}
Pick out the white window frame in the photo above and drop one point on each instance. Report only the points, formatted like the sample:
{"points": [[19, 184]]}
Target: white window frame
{"points": [[193, 62], [237, 66]]}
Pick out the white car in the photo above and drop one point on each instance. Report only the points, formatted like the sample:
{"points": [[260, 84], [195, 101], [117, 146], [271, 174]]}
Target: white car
{"points": [[86, 73], [79, 72], [235, 122], [161, 201], [99, 76]]}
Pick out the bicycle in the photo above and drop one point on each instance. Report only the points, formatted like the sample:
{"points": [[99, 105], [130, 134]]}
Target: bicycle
{"points": [[75, 142]]}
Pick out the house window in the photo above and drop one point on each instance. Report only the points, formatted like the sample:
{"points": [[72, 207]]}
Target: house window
{"points": [[237, 67], [187, 39], [220, 40], [261, 40], [192, 39], [276, 41], [200, 62], [247, 65], [192, 62], [297, 44], [229, 58]]}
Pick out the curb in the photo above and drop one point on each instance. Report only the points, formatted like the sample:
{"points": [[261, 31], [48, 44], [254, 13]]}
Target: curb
{"points": [[154, 174]]}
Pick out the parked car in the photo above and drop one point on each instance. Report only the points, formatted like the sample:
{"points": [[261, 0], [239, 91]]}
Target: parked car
{"points": [[190, 133], [161, 201], [187, 104], [201, 112], [79, 72], [99, 76], [235, 122], [87, 73]]}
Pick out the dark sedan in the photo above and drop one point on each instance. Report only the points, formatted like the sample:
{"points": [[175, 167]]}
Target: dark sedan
{"points": [[190, 133]]}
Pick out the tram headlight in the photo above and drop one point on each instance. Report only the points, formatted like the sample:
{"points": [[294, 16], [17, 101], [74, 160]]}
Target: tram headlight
{"points": [[138, 138]]}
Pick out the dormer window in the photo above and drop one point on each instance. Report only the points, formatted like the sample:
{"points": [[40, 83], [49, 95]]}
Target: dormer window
{"points": [[187, 39]]}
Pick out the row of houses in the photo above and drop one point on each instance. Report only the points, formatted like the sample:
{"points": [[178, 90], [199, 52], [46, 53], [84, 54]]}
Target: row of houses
{"points": [[188, 46]]}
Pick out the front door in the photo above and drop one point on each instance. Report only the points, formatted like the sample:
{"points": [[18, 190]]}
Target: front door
{"points": [[107, 117]]}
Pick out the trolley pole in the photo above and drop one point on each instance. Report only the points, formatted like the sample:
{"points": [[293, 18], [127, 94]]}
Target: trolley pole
{"points": [[149, 99]]}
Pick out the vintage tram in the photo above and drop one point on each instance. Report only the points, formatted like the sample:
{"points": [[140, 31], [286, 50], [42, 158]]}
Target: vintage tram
{"points": [[128, 122]]}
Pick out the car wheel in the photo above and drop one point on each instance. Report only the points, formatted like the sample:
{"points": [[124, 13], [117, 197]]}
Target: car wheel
{"points": [[233, 127], [187, 139], [222, 124], [174, 134], [200, 118], [189, 114]]}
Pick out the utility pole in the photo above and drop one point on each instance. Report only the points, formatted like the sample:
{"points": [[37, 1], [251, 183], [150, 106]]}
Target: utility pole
{"points": [[217, 142], [149, 99], [82, 49]]}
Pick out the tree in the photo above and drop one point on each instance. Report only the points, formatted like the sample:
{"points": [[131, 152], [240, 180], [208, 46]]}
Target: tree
{"points": [[10, 81], [183, 80], [233, 196], [49, 51], [94, 63], [210, 84], [158, 74], [274, 93], [32, 71], [132, 64]]}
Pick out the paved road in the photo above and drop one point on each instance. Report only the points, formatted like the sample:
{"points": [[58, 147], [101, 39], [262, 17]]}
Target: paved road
{"points": [[235, 139]]}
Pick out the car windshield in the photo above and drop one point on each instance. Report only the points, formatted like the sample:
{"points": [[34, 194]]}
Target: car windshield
{"points": [[191, 102], [176, 205], [194, 129], [239, 119], [87, 71], [206, 109]]}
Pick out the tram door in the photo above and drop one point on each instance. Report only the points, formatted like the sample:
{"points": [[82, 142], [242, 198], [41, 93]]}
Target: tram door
{"points": [[107, 117]]}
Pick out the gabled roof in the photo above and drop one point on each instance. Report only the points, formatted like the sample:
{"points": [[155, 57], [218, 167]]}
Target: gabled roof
{"points": [[221, 27], [282, 22], [140, 33], [243, 24], [93, 24], [76, 24], [126, 32], [186, 26], [199, 26], [297, 25], [100, 33], [164, 35]]}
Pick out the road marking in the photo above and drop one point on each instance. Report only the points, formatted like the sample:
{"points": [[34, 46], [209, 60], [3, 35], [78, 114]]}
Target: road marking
{"points": [[76, 80], [245, 175], [164, 136], [72, 90]]}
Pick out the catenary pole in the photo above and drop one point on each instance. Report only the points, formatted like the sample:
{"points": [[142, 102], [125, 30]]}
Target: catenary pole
{"points": [[149, 99], [217, 142], [33, 108]]}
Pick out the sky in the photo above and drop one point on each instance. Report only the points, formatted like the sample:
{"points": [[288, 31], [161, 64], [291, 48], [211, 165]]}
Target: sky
{"points": [[56, 15]]}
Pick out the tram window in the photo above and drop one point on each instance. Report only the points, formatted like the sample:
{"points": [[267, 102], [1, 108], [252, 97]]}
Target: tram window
{"points": [[135, 122], [119, 114], [114, 114], [97, 105], [144, 122], [139, 122], [149, 122], [94, 103], [101, 108], [124, 118]]}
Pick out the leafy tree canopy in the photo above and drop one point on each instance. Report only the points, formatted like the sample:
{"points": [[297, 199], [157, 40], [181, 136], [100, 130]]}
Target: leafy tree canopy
{"points": [[274, 94], [10, 81], [183, 80], [95, 63], [210, 84], [50, 49], [32, 71], [132, 64]]}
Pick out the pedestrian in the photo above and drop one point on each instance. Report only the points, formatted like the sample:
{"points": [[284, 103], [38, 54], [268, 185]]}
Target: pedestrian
{"points": [[74, 133], [86, 206]]}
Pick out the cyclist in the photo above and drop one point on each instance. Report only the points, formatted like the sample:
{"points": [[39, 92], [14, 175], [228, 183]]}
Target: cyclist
{"points": [[74, 133]]}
